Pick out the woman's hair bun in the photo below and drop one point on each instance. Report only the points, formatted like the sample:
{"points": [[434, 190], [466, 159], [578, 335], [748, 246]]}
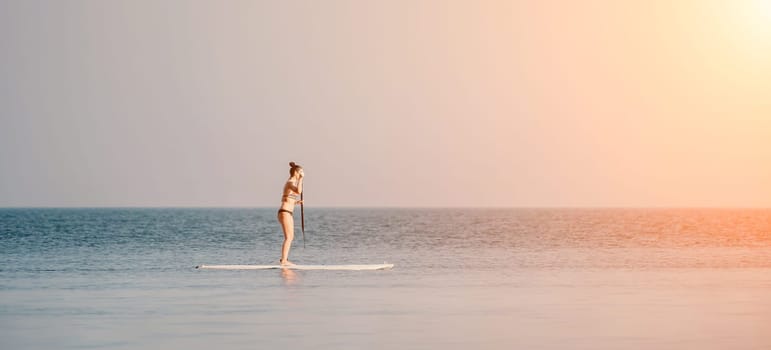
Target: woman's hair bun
{"points": [[292, 164]]}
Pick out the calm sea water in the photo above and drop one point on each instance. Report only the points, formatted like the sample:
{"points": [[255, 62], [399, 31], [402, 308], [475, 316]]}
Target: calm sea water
{"points": [[464, 279]]}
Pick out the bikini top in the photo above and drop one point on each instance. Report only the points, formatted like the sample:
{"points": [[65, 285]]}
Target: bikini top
{"points": [[292, 196]]}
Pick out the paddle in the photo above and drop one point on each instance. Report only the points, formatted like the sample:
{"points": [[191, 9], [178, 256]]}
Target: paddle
{"points": [[302, 216]]}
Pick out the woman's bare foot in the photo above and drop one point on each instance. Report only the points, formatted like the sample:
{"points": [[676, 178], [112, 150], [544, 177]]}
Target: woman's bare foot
{"points": [[285, 262]]}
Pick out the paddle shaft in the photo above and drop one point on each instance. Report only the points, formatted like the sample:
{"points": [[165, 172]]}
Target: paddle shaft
{"points": [[302, 217]]}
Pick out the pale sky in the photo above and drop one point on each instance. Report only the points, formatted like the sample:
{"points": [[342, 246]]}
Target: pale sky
{"points": [[386, 103]]}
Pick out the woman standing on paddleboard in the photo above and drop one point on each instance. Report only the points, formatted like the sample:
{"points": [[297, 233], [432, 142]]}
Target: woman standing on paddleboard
{"points": [[292, 190]]}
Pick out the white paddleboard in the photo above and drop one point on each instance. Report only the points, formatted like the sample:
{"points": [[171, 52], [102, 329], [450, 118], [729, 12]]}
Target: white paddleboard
{"points": [[297, 267]]}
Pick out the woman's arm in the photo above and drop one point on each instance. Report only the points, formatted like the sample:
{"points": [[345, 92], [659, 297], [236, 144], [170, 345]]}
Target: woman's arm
{"points": [[296, 187]]}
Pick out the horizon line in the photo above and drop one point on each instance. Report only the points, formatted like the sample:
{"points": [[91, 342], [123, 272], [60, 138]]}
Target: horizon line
{"points": [[384, 207]]}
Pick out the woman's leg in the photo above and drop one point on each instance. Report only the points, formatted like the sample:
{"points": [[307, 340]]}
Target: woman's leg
{"points": [[287, 224]]}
